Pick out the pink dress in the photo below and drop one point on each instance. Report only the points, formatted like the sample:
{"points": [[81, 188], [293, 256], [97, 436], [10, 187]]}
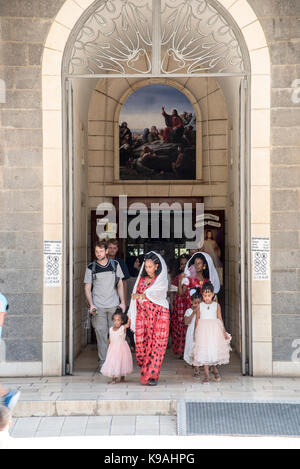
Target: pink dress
{"points": [[211, 347], [118, 359]]}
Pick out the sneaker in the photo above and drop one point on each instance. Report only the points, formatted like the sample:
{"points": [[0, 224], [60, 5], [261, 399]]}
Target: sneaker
{"points": [[11, 398]]}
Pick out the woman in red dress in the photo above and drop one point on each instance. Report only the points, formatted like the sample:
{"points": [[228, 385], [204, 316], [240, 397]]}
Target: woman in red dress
{"points": [[199, 270], [181, 302], [150, 317]]}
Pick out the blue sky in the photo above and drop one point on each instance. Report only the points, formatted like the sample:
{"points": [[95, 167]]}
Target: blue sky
{"points": [[143, 108]]}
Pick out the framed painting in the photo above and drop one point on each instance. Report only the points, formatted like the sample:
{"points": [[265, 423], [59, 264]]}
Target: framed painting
{"points": [[157, 135]]}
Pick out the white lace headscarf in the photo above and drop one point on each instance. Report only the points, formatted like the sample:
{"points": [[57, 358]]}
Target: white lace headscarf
{"points": [[157, 292], [213, 274]]}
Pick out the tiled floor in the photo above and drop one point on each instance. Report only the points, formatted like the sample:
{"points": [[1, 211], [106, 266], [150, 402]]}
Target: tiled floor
{"points": [[41, 427], [176, 382]]}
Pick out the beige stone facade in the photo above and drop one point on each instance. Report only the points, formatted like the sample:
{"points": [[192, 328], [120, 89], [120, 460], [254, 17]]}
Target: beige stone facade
{"points": [[104, 109], [97, 105]]}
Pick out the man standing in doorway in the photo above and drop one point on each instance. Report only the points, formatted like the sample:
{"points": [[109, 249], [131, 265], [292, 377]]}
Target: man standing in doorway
{"points": [[104, 292], [113, 247]]}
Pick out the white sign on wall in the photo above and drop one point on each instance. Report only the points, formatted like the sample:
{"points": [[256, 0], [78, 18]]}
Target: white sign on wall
{"points": [[52, 263], [261, 258]]}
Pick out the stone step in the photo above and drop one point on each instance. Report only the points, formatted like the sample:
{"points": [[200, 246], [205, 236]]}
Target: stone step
{"points": [[63, 408]]}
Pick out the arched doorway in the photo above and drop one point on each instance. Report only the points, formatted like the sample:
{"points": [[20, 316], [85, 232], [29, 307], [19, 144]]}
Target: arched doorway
{"points": [[156, 51]]}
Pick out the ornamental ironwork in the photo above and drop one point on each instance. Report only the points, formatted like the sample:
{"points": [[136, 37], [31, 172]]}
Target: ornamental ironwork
{"points": [[196, 38], [155, 38]]}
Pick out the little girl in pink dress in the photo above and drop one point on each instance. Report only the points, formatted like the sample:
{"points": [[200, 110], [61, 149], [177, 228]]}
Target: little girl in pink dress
{"points": [[118, 361]]}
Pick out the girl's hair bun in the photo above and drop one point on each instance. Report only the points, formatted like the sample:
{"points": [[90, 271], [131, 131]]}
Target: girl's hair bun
{"points": [[196, 294], [208, 287]]}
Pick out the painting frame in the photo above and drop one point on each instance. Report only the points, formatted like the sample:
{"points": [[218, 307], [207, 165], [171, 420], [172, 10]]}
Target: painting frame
{"points": [[198, 144]]}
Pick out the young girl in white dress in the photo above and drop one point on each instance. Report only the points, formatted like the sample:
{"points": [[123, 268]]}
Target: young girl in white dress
{"points": [[212, 342], [118, 361], [189, 320]]}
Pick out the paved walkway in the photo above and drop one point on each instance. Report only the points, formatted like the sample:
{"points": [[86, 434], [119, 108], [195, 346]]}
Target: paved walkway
{"points": [[88, 393], [37, 427]]}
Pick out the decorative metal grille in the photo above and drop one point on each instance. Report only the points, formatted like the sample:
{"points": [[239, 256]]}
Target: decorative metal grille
{"points": [[116, 38], [189, 37], [196, 38]]}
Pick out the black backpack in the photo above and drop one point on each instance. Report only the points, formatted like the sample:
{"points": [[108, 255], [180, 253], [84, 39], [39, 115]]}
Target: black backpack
{"points": [[94, 271]]}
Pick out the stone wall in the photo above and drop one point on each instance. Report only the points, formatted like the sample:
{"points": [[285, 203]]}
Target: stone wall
{"points": [[281, 23], [23, 30]]}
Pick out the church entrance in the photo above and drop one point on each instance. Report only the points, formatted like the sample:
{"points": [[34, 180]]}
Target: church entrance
{"points": [[200, 154]]}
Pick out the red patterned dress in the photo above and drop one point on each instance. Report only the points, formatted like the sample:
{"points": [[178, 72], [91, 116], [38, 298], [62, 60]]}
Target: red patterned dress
{"points": [[178, 328], [151, 333]]}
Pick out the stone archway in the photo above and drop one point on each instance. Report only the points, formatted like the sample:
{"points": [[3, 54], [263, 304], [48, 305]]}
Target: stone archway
{"points": [[252, 32]]}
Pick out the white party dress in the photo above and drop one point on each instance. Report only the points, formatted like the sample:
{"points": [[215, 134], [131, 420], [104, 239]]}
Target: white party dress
{"points": [[211, 347]]}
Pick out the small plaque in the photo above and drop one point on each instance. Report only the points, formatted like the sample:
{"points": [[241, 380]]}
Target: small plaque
{"points": [[52, 263], [261, 258]]}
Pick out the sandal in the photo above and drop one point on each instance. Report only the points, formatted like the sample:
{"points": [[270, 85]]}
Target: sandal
{"points": [[152, 382], [217, 376], [197, 373], [205, 381]]}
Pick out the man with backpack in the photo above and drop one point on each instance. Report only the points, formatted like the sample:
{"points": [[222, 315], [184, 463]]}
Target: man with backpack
{"points": [[104, 291]]}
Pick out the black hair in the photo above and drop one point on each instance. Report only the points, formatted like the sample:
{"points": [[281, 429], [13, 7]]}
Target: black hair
{"points": [[151, 256], [120, 313], [206, 273], [208, 287], [197, 295], [183, 256], [130, 264]]}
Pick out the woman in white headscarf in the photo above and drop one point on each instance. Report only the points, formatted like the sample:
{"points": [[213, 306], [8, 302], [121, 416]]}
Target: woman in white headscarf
{"points": [[150, 317], [199, 270]]}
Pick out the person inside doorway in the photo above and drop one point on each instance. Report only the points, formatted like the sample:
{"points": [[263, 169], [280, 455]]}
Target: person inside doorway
{"points": [[134, 265], [198, 271], [104, 291], [113, 248], [150, 317], [181, 302]]}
